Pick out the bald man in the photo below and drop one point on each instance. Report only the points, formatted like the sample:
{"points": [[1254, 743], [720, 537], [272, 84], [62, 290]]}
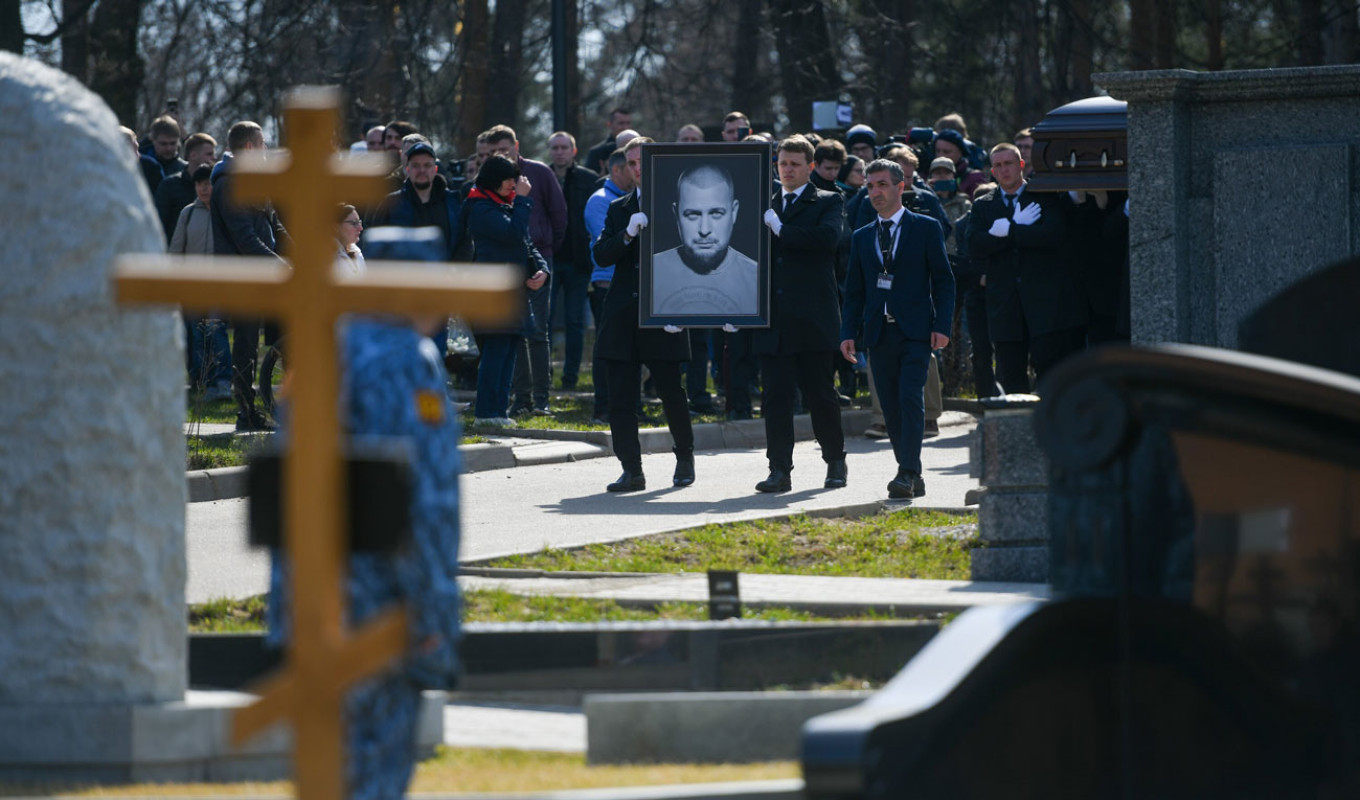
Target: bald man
{"points": [[704, 275]]}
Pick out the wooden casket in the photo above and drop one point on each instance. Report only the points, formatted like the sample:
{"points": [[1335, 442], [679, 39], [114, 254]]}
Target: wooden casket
{"points": [[1083, 145]]}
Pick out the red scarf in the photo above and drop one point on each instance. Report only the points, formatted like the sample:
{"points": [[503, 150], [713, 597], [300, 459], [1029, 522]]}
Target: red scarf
{"points": [[478, 191]]}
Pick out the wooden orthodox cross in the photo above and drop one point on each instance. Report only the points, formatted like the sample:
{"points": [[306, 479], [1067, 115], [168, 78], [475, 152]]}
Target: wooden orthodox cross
{"points": [[324, 659]]}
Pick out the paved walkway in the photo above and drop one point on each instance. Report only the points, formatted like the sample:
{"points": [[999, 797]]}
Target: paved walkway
{"points": [[515, 726], [563, 505]]}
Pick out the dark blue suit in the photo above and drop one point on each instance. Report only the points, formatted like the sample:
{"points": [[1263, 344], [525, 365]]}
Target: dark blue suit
{"points": [[920, 302]]}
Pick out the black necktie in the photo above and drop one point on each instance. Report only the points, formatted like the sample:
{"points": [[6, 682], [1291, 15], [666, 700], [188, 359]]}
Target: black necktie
{"points": [[1010, 200], [788, 201], [885, 241]]}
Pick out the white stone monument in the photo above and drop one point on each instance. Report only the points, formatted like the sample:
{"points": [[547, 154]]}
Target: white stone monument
{"points": [[92, 614]]}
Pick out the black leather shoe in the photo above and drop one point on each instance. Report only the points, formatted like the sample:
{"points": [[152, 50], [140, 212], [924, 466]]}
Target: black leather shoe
{"points": [[836, 474], [628, 482], [931, 430], [684, 473], [906, 485], [779, 481]]}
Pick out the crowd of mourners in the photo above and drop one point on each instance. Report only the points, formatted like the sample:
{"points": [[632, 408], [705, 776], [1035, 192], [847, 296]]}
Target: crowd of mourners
{"points": [[922, 249]]}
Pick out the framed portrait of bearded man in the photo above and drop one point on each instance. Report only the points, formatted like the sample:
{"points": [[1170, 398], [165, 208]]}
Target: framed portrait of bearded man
{"points": [[705, 253]]}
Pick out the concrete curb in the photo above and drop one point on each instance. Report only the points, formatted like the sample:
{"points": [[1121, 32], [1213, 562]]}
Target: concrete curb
{"points": [[558, 447], [704, 727]]}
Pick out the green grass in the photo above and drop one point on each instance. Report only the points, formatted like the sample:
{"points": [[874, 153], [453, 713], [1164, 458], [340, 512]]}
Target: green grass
{"points": [[494, 605], [212, 452], [574, 414], [904, 544]]}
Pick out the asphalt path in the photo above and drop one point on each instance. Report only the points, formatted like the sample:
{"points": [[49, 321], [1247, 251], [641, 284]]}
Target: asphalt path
{"points": [[526, 509]]}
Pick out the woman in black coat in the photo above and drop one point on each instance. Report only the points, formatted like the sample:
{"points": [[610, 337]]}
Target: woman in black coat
{"points": [[497, 213]]}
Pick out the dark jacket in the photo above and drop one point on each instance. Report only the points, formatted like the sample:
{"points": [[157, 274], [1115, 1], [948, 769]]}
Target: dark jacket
{"points": [[500, 234], [805, 313], [548, 225], [403, 209], [599, 154], [242, 230], [619, 337], [577, 187], [921, 299], [1030, 287], [174, 193]]}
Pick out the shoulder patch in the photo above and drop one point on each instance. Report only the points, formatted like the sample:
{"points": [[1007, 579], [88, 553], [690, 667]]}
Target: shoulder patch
{"points": [[430, 407]]}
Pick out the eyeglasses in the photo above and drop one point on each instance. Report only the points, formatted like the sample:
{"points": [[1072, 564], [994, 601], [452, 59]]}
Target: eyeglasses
{"points": [[355, 222]]}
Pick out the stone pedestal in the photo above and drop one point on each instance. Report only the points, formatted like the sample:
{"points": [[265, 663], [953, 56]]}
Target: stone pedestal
{"points": [[1013, 508], [1241, 183]]}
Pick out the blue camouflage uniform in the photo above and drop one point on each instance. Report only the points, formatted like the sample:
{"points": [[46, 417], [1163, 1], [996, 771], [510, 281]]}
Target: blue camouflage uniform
{"points": [[394, 387]]}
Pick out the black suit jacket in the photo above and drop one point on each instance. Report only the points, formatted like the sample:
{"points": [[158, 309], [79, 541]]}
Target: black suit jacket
{"points": [[1029, 283], [619, 337], [805, 313], [922, 296]]}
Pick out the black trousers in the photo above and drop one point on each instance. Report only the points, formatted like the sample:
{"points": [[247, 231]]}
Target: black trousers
{"points": [[813, 373], [696, 372], [741, 372], [245, 352], [1043, 352], [625, 386], [975, 310]]}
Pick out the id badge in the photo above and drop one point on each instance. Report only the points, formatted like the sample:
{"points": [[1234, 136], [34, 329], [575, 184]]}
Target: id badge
{"points": [[885, 280]]}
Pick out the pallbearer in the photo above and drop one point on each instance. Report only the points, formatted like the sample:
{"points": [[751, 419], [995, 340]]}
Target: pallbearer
{"points": [[799, 348]]}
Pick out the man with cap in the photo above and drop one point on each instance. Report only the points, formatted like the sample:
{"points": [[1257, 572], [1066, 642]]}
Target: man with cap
{"points": [[423, 199], [860, 140], [951, 144]]}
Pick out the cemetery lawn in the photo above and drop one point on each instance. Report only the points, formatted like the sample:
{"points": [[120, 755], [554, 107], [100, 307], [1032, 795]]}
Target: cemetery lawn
{"points": [[910, 543], [573, 413], [467, 770], [494, 605]]}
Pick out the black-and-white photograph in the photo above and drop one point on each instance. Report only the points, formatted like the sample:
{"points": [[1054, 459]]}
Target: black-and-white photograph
{"points": [[705, 256]]}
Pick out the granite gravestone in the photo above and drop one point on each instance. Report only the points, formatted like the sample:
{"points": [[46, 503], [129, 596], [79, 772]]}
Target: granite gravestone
{"points": [[91, 447], [1205, 556], [1241, 183], [92, 625]]}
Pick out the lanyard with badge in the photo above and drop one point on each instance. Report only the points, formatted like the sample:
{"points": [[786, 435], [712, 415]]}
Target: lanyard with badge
{"points": [[885, 278]]}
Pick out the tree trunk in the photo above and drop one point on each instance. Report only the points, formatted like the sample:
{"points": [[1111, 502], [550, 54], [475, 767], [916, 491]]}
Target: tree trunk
{"points": [[1143, 27], [1166, 33], [1029, 103], [116, 69], [1310, 33], [1213, 33], [75, 42], [807, 59], [475, 47], [1082, 48], [885, 28], [11, 27], [1341, 36], [507, 62], [746, 78], [573, 68]]}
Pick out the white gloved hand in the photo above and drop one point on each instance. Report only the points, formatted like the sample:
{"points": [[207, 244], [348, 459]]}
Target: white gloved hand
{"points": [[1077, 197], [773, 221], [1001, 228], [636, 223], [729, 328], [1028, 215], [1126, 207], [672, 328]]}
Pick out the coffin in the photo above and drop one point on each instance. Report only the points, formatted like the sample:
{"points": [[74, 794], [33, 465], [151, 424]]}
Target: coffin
{"points": [[1082, 146]]}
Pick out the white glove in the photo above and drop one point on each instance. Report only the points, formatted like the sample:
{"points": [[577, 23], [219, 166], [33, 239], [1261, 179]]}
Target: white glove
{"points": [[636, 223], [1001, 228], [1028, 215], [729, 328], [1126, 207], [773, 221], [668, 328], [1077, 197]]}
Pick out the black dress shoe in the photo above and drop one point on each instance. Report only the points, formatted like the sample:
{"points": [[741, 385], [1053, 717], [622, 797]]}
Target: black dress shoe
{"points": [[779, 481], [628, 482], [931, 430], [906, 485], [836, 474], [684, 473]]}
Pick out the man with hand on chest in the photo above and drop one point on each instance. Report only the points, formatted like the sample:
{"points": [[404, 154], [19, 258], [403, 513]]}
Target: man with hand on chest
{"points": [[899, 305], [799, 347]]}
